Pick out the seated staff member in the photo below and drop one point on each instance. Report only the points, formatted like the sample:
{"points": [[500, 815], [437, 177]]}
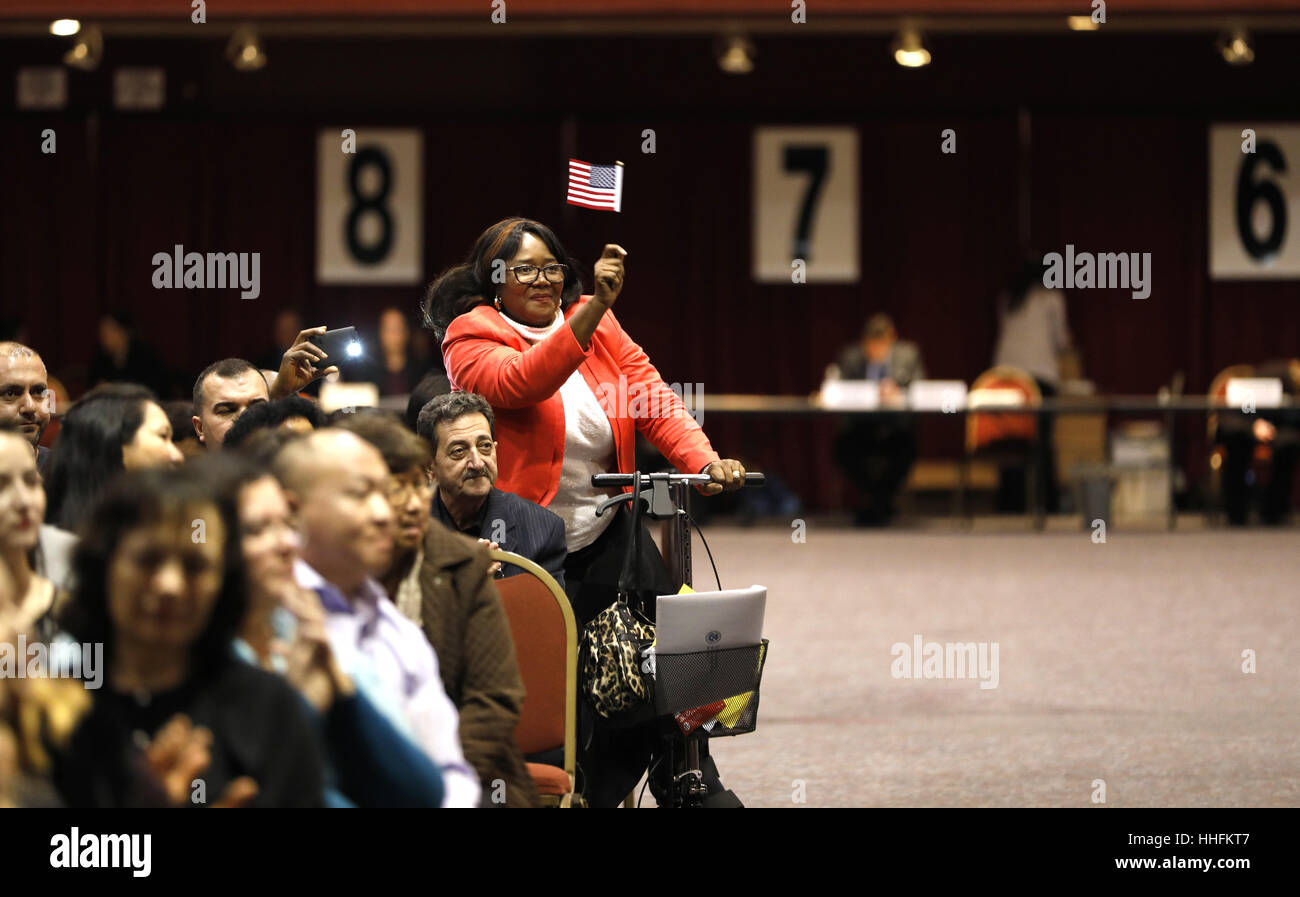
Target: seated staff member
{"points": [[460, 429], [540, 352]]}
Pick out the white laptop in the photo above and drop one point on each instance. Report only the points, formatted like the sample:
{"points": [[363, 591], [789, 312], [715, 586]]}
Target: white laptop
{"points": [[698, 621]]}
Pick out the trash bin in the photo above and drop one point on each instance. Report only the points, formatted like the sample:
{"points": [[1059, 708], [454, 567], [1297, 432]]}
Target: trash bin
{"points": [[1094, 485]]}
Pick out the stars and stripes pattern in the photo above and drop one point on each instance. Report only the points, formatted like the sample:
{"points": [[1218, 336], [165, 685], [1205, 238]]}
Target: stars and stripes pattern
{"points": [[596, 186]]}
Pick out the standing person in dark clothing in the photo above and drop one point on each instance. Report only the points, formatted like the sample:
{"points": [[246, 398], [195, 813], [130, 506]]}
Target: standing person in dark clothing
{"points": [[876, 452]]}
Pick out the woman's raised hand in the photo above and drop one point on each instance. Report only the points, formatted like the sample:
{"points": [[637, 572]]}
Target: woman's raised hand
{"points": [[609, 274]]}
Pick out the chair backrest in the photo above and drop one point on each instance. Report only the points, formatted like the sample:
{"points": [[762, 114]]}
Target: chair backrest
{"points": [[984, 428], [546, 647], [1218, 391]]}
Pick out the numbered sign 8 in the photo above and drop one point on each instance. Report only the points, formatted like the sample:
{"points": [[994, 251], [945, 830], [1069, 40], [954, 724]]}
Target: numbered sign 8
{"points": [[370, 206], [1254, 201], [805, 205]]}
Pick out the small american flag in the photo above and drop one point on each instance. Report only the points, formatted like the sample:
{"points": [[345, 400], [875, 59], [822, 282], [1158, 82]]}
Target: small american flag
{"points": [[596, 186]]}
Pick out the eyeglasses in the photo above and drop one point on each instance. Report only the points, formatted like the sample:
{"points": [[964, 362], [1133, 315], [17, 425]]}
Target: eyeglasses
{"points": [[528, 273], [402, 490]]}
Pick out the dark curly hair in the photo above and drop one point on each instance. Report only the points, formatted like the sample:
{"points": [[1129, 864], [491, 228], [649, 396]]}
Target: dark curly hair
{"points": [[470, 284], [138, 499], [269, 415]]}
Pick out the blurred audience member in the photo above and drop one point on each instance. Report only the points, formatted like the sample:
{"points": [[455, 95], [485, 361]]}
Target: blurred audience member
{"points": [[877, 451], [337, 485], [1278, 428], [166, 607], [395, 369], [372, 763], [293, 413], [442, 581], [288, 324], [23, 399], [461, 430], [115, 427], [1033, 334], [124, 357], [181, 414], [431, 385], [22, 510]]}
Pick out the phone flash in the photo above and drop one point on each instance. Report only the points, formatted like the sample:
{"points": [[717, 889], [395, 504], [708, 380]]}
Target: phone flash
{"points": [[354, 349]]}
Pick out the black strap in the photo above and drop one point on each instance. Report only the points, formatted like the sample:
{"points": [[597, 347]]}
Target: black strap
{"points": [[631, 560]]}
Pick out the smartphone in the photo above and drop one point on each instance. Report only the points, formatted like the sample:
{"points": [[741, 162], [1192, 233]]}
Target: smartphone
{"points": [[341, 347]]}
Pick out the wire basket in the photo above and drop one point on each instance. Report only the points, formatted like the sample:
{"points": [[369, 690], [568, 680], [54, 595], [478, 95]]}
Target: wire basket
{"points": [[685, 682]]}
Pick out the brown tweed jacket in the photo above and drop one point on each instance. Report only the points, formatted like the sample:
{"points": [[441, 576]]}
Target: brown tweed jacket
{"points": [[463, 619]]}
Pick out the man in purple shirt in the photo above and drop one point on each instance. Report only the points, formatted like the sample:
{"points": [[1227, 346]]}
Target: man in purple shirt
{"points": [[336, 484]]}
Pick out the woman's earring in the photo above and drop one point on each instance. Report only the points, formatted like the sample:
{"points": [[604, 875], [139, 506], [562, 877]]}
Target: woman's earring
{"points": [[497, 302]]}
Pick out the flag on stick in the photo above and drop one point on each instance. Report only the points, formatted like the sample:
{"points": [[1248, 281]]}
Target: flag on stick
{"points": [[596, 186]]}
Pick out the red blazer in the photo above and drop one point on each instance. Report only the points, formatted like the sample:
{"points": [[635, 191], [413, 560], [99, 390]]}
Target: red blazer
{"points": [[486, 355]]}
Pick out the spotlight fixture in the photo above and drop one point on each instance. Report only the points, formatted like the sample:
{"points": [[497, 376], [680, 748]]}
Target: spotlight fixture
{"points": [[909, 51], [64, 27], [737, 56], [245, 50], [1081, 23], [1236, 48], [87, 52]]}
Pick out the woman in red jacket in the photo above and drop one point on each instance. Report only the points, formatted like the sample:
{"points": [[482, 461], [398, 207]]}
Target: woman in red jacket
{"points": [[558, 371]]}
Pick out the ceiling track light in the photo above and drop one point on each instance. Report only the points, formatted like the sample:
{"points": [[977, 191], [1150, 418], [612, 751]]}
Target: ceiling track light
{"points": [[736, 57], [1236, 48], [909, 49], [64, 27], [245, 50], [88, 50]]}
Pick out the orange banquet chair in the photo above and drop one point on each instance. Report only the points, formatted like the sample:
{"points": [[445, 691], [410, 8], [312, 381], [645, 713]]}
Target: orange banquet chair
{"points": [[1218, 392], [546, 647], [990, 435]]}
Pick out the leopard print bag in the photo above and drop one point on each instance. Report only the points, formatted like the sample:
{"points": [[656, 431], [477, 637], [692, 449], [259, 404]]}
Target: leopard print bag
{"points": [[610, 665]]}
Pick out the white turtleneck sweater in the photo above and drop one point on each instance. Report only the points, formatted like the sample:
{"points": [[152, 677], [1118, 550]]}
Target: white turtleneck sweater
{"points": [[588, 449]]}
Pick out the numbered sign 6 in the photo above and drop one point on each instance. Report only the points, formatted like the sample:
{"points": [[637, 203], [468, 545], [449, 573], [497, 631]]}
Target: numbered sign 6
{"points": [[370, 206], [805, 205], [1254, 201]]}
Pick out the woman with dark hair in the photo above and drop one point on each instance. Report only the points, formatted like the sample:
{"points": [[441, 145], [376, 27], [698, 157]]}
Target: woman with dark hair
{"points": [[558, 370], [115, 427], [160, 584]]}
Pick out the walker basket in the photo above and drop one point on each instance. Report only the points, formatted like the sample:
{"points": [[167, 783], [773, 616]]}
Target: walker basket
{"points": [[688, 681]]}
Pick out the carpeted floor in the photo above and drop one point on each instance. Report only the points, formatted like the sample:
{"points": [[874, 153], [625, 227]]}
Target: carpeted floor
{"points": [[1119, 662]]}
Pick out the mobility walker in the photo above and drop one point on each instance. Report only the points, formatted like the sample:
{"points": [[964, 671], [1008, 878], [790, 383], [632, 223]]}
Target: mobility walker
{"points": [[703, 694]]}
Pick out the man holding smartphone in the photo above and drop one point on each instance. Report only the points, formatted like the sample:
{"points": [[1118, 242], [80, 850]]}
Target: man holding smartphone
{"points": [[226, 389]]}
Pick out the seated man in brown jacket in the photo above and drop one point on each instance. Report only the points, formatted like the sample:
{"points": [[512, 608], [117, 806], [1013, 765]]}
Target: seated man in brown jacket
{"points": [[441, 580]]}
